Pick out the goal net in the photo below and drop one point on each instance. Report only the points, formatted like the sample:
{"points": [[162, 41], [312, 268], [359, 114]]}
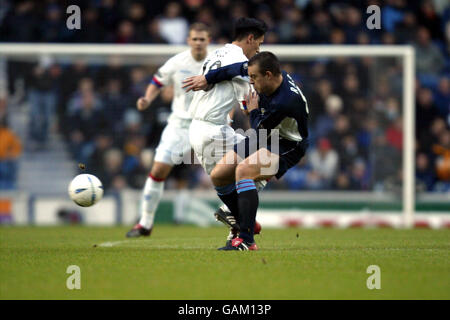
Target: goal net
{"points": [[359, 169]]}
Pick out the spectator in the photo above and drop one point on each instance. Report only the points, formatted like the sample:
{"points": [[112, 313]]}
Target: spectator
{"points": [[442, 153], [324, 160], [133, 146], [10, 150], [91, 30], [53, 27], [116, 103], [112, 175], [296, 178], [392, 14], [151, 34], [172, 26], [353, 24], [426, 113], [340, 130], [429, 59], [359, 177], [406, 29], [385, 161], [137, 16], [85, 87], [114, 69], [425, 177], [394, 134], [85, 124], [24, 16], [137, 176], [42, 99], [442, 97], [320, 27], [342, 182], [102, 143], [348, 152], [325, 122], [428, 18], [126, 33]]}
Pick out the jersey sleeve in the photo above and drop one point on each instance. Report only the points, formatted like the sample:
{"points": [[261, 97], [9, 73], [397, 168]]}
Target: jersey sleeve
{"points": [[227, 72], [241, 89], [164, 75]]}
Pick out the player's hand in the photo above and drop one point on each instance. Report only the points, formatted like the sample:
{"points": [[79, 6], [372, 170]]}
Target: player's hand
{"points": [[142, 103], [195, 83], [252, 101]]}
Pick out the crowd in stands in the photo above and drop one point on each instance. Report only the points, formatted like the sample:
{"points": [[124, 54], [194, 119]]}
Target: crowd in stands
{"points": [[355, 104]]}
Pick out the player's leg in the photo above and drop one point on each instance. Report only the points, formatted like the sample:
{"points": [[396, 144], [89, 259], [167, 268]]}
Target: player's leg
{"points": [[171, 148], [152, 193], [260, 166], [223, 178], [212, 144]]}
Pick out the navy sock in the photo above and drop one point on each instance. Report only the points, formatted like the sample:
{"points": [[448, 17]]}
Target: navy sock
{"points": [[248, 205], [228, 196]]}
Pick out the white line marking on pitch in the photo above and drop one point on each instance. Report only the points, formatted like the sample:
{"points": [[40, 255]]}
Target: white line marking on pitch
{"points": [[110, 244]]}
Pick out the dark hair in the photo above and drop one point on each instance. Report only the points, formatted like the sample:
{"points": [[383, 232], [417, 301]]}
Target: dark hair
{"points": [[266, 61], [245, 26], [199, 26]]}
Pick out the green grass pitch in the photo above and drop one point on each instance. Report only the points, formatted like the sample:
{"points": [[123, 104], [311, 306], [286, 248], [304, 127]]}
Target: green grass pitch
{"points": [[181, 262]]}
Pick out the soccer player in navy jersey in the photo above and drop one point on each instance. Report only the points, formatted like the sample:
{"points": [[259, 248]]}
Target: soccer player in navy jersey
{"points": [[279, 107]]}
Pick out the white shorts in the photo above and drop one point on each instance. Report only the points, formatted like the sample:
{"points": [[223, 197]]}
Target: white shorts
{"points": [[174, 144], [211, 142]]}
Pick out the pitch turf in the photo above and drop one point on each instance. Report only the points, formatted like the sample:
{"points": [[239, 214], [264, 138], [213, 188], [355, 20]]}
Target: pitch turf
{"points": [[181, 262]]}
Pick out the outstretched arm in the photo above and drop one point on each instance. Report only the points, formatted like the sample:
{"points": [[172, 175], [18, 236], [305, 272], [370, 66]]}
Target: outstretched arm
{"points": [[150, 95], [228, 72]]}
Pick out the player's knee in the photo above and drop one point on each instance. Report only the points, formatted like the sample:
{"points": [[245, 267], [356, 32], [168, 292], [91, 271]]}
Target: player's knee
{"points": [[217, 177], [243, 171], [160, 171]]}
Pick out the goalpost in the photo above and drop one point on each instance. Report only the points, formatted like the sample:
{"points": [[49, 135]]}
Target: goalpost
{"points": [[159, 53]]}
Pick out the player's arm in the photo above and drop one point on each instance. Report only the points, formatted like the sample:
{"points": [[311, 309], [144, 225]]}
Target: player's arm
{"points": [[259, 120], [161, 78], [294, 108], [151, 93], [225, 73]]}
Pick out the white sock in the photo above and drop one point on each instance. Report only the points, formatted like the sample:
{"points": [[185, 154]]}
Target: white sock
{"points": [[151, 195]]}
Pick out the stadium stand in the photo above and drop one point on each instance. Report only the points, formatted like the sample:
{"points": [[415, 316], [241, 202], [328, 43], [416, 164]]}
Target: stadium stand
{"points": [[342, 155]]}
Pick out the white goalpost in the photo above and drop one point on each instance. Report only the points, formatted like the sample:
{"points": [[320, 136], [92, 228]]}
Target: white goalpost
{"points": [[158, 54]]}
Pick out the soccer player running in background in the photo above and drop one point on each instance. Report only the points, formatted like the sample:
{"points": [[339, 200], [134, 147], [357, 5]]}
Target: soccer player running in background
{"points": [[278, 104], [210, 135], [174, 143]]}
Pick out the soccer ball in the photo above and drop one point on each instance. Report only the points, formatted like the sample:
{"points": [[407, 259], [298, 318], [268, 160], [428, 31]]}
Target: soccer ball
{"points": [[85, 190]]}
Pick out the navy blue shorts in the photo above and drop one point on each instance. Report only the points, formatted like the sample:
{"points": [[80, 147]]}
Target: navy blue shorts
{"points": [[290, 152]]}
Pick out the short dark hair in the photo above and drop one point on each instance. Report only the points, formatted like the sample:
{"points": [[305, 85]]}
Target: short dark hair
{"points": [[266, 61], [245, 26], [199, 26]]}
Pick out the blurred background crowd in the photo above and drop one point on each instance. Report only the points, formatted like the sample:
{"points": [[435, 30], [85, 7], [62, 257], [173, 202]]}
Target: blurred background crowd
{"points": [[355, 104]]}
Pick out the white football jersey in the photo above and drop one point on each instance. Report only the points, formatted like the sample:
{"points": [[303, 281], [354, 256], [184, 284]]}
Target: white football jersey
{"points": [[173, 72], [214, 104]]}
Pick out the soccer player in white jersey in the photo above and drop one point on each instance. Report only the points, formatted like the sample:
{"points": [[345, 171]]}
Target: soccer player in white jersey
{"points": [[174, 143], [210, 135]]}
